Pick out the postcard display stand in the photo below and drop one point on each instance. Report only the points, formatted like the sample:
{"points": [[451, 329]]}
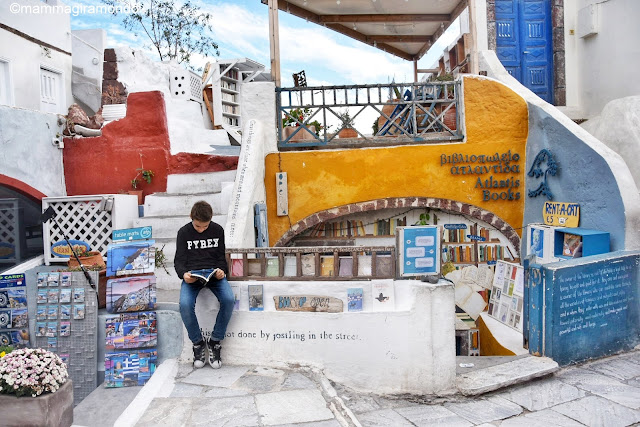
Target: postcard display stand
{"points": [[131, 334], [14, 320], [507, 294], [66, 324]]}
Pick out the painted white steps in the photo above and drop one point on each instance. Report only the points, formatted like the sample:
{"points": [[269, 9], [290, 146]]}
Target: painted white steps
{"points": [[166, 204], [210, 182], [168, 226]]}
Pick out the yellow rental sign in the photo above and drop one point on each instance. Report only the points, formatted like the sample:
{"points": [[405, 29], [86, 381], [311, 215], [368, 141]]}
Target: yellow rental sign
{"points": [[562, 214]]}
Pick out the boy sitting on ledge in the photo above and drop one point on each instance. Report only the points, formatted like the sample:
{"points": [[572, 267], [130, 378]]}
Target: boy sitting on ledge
{"points": [[200, 263]]}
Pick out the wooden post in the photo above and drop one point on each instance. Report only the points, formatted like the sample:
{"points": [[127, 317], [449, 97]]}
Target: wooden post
{"points": [[274, 41], [474, 68], [415, 71]]}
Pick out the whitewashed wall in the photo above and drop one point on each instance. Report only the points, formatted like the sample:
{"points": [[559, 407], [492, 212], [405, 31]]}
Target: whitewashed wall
{"points": [[26, 57], [409, 350], [602, 67], [25, 141], [88, 59]]}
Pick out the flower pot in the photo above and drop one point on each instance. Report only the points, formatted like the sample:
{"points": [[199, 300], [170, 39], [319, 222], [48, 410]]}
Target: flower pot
{"points": [[302, 135], [50, 409], [449, 118], [94, 258], [348, 133]]}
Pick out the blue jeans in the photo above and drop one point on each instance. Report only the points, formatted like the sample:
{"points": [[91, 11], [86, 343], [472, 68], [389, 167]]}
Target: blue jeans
{"points": [[188, 294]]}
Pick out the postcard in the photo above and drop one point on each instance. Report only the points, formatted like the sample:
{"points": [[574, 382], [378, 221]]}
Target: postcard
{"points": [[65, 312], [78, 311], [5, 319], [65, 329], [17, 297], [52, 295], [78, 295], [43, 295], [41, 313], [5, 338], [19, 319], [52, 329], [65, 295], [129, 258], [41, 329], [52, 344], [65, 279], [131, 294], [20, 339], [52, 279], [52, 312], [42, 279]]}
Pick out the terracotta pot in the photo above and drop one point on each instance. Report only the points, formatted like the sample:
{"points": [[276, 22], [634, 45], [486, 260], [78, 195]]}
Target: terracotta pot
{"points": [[302, 135], [94, 258], [50, 409], [348, 133], [382, 120], [449, 118]]}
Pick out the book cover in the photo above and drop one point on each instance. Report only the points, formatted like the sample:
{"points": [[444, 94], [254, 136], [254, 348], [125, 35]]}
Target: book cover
{"points": [[256, 302], [326, 266], [364, 265], [131, 330], [354, 299], [308, 265], [382, 293], [131, 294], [236, 295], [273, 267], [237, 267], [289, 266], [346, 267], [204, 274], [255, 267], [127, 258], [128, 369]]}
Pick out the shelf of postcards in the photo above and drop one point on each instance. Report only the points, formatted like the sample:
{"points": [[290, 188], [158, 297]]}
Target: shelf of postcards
{"points": [[131, 329]]}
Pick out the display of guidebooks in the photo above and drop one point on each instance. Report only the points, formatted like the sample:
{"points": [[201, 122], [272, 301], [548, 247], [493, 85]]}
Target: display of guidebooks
{"points": [[131, 330], [128, 258], [506, 302], [128, 294], [383, 298], [255, 298], [354, 299], [13, 310], [129, 368]]}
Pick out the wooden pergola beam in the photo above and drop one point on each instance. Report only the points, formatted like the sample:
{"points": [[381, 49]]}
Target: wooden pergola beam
{"points": [[398, 39], [355, 18], [456, 12], [363, 38]]}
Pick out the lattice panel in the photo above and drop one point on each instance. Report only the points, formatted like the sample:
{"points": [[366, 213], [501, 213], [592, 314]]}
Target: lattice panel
{"points": [[195, 86], [10, 226], [81, 220]]}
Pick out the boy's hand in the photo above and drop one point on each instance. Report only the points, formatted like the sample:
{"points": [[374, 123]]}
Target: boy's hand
{"points": [[187, 277], [219, 273]]}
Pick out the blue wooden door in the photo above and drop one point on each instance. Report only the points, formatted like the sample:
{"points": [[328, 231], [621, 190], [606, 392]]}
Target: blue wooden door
{"points": [[524, 43]]}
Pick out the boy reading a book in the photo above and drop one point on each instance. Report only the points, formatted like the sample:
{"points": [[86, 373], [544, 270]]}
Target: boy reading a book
{"points": [[200, 263]]}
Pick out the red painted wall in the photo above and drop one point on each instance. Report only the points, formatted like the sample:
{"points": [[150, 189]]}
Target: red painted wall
{"points": [[108, 163]]}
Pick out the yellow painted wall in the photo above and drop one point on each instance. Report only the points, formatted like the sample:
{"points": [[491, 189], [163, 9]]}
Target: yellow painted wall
{"points": [[496, 123]]}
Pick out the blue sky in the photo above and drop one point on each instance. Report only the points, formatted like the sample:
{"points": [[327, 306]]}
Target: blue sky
{"points": [[241, 29]]}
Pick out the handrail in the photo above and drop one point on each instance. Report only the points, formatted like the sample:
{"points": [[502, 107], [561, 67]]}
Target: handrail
{"points": [[402, 112], [312, 263]]}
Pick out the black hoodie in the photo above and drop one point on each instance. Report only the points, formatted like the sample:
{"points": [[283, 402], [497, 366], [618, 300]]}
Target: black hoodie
{"points": [[200, 250]]}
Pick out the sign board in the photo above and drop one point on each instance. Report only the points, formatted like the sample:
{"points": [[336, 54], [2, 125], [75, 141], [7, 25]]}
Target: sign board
{"points": [[455, 226], [61, 249], [140, 233], [562, 214], [314, 303], [418, 250]]}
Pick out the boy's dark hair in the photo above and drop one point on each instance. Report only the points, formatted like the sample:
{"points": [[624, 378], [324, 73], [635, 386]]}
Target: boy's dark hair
{"points": [[201, 211]]}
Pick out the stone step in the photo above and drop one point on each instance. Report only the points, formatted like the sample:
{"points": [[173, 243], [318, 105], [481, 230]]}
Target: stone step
{"points": [[210, 182], [166, 204], [167, 281], [167, 226]]}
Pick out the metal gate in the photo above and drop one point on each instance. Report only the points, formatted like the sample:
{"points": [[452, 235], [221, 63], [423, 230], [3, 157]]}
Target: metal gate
{"points": [[524, 43]]}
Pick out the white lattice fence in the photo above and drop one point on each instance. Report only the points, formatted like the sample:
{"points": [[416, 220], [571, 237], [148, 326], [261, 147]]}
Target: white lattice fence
{"points": [[10, 231], [81, 218], [195, 87]]}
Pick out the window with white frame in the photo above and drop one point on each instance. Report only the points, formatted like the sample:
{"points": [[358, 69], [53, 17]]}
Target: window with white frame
{"points": [[6, 91], [50, 90]]}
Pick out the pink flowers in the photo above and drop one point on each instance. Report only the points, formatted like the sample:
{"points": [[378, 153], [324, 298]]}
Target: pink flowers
{"points": [[31, 371]]}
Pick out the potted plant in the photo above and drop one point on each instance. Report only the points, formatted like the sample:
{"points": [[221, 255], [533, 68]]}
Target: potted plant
{"points": [[35, 388], [92, 260], [347, 130], [142, 174], [292, 121]]}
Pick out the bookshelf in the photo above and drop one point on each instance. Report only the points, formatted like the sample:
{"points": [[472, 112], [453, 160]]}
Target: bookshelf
{"points": [[378, 228], [226, 84]]}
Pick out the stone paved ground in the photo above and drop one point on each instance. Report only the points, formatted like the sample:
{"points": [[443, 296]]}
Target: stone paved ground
{"points": [[600, 393]]}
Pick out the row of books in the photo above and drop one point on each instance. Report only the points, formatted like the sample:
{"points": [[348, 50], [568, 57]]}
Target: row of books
{"points": [[231, 109], [490, 252], [232, 74], [233, 121], [308, 267], [460, 235], [387, 227], [468, 254], [346, 228], [228, 97], [228, 85]]}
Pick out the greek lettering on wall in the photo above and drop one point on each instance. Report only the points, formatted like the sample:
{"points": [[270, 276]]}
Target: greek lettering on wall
{"points": [[495, 174]]}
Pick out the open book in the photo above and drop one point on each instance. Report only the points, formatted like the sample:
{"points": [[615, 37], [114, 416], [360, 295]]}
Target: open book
{"points": [[205, 274]]}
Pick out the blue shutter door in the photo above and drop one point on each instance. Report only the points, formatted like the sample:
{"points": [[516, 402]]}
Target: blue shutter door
{"points": [[524, 43]]}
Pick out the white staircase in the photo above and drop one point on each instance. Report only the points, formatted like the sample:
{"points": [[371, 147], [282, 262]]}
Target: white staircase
{"points": [[167, 212]]}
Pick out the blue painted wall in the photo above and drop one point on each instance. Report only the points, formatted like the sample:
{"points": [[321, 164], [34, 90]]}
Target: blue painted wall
{"points": [[584, 177], [584, 308]]}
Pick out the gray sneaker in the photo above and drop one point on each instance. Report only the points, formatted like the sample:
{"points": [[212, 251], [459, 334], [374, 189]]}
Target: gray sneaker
{"points": [[198, 355], [214, 354]]}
